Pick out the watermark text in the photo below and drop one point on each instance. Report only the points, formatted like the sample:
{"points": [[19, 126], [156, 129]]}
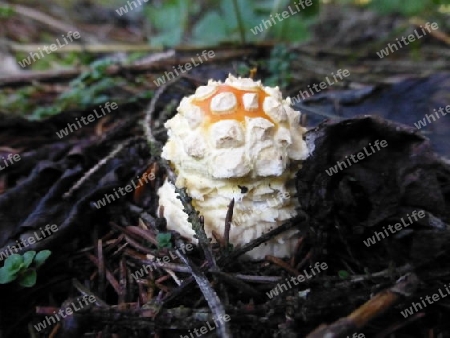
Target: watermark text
{"points": [[313, 271], [349, 161], [49, 49], [393, 47], [9, 160], [187, 66], [379, 235], [40, 234], [266, 24], [71, 127]]}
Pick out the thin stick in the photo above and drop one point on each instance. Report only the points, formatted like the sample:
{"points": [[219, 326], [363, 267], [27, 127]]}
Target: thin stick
{"points": [[95, 168], [50, 21], [262, 239], [29, 78], [228, 220], [198, 225], [110, 48], [210, 295], [374, 307], [148, 121], [240, 21]]}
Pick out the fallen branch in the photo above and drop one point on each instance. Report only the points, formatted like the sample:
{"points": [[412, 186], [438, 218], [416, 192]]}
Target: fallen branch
{"points": [[376, 306], [210, 295], [29, 78]]}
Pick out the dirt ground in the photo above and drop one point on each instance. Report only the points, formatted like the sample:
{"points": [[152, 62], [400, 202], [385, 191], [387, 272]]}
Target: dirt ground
{"points": [[48, 178]]}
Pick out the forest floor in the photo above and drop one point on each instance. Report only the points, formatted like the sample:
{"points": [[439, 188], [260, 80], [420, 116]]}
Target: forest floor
{"points": [[95, 253]]}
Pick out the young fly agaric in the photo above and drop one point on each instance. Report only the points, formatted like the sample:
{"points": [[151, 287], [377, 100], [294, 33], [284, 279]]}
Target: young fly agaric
{"points": [[237, 139]]}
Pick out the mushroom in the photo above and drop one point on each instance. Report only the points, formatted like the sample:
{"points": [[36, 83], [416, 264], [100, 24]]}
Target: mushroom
{"points": [[235, 140]]}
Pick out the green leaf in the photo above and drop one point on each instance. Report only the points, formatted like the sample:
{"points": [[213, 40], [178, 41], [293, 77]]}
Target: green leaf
{"points": [[228, 11], [386, 6], [14, 263], [243, 70], [6, 276], [293, 29], [412, 7], [267, 6], [210, 29], [169, 20], [6, 11], [343, 274], [252, 15], [28, 258], [164, 240], [41, 257], [308, 11], [28, 278]]}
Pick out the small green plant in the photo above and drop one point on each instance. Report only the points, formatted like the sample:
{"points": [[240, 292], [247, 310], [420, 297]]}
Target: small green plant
{"points": [[164, 240], [87, 89], [411, 8], [6, 11], [279, 67], [23, 267], [343, 274], [92, 87], [173, 22]]}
